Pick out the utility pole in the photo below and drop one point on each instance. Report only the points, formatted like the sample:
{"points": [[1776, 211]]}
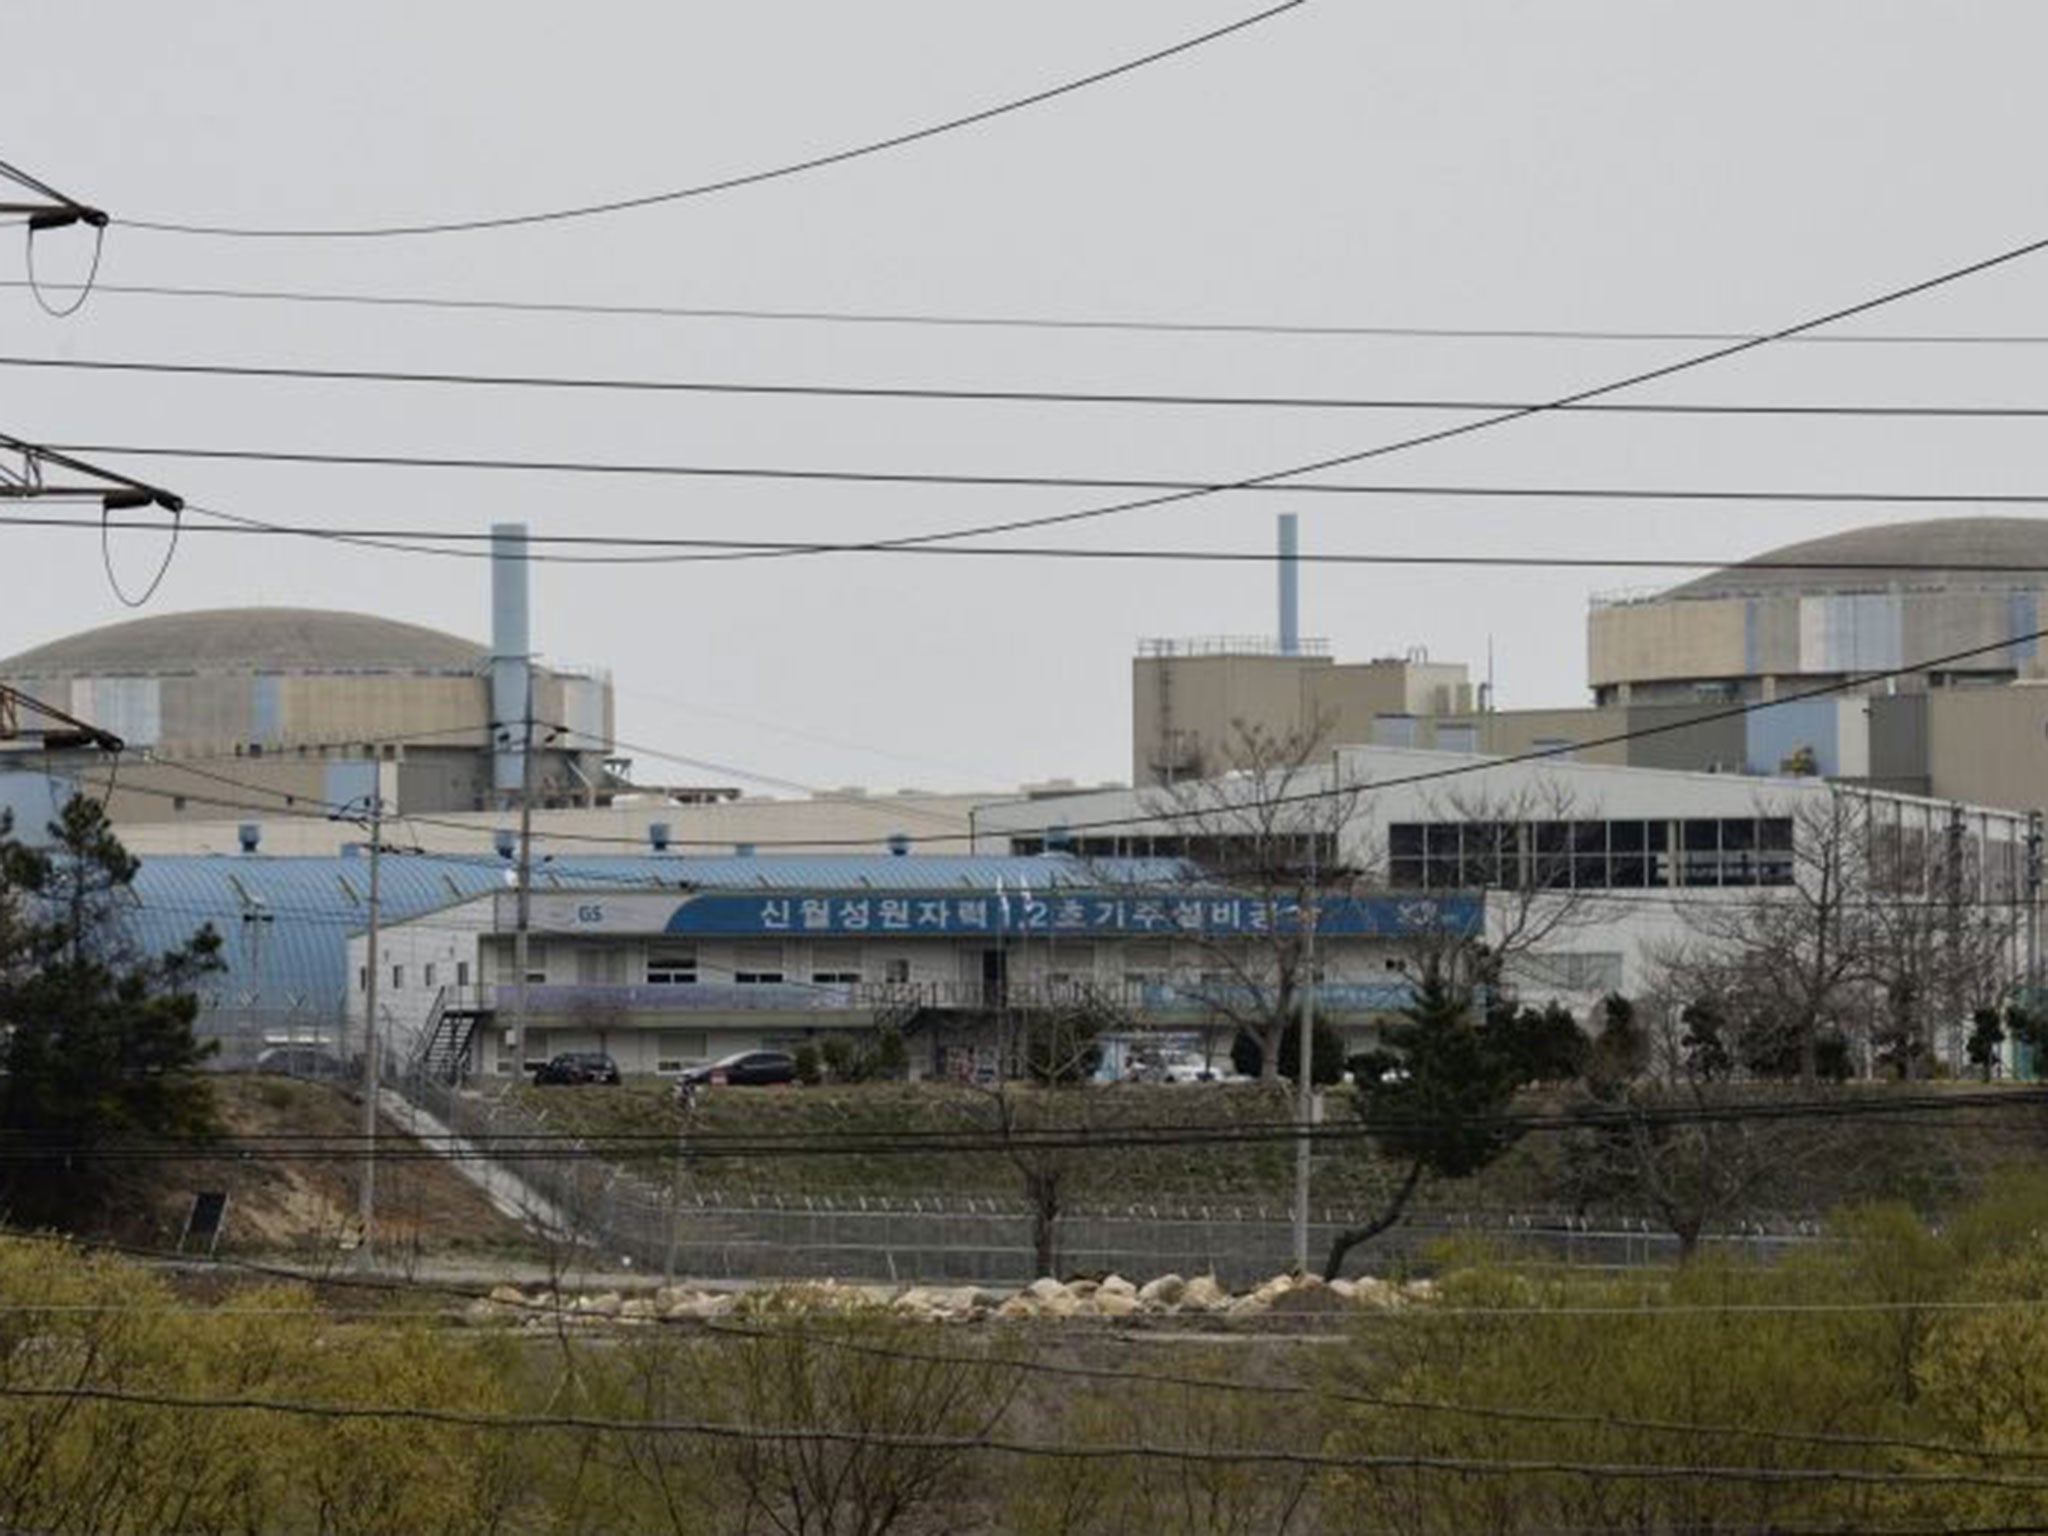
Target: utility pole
{"points": [[367, 1194], [523, 916], [2033, 918], [1304, 1093]]}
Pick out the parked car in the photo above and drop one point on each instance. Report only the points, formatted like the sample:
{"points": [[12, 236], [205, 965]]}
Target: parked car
{"points": [[572, 1067], [746, 1069], [1191, 1068], [300, 1061]]}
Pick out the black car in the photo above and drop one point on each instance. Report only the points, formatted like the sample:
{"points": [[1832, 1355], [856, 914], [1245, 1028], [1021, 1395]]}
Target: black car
{"points": [[573, 1067], [744, 1069]]}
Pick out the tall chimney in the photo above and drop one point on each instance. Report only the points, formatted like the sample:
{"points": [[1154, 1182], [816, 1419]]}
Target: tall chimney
{"points": [[511, 657], [1290, 587]]}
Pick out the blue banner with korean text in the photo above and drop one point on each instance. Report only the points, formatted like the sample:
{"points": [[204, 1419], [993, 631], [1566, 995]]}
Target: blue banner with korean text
{"points": [[955, 914]]}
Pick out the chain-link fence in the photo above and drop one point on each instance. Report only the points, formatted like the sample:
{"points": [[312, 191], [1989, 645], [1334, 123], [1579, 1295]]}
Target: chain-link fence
{"points": [[689, 1229]]}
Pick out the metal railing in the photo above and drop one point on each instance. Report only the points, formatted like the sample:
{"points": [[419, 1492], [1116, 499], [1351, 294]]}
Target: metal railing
{"points": [[903, 999]]}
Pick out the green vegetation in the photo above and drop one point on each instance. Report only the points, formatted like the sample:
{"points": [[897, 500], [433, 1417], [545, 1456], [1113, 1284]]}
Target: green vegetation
{"points": [[96, 1042], [1895, 1378]]}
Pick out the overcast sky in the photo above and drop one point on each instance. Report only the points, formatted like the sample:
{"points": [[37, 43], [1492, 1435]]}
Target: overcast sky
{"points": [[1625, 165]]}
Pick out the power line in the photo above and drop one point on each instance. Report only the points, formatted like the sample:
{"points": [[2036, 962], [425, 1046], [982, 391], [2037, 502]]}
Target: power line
{"points": [[1167, 813], [465, 545], [1480, 424], [726, 183], [1032, 1449], [577, 382], [1181, 489], [814, 316], [551, 1306]]}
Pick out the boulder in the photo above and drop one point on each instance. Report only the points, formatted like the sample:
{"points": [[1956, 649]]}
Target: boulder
{"points": [[1021, 1305], [1116, 1285], [1082, 1289], [639, 1309], [1108, 1303], [1062, 1305], [1371, 1291], [1309, 1299], [509, 1296], [1045, 1288], [1252, 1305], [603, 1304], [1166, 1291], [1204, 1294]]}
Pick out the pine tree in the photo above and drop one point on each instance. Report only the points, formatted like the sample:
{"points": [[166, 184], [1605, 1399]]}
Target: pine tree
{"points": [[96, 1039]]}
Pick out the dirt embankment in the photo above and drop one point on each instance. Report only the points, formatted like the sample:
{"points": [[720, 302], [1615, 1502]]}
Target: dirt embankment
{"points": [[296, 1203]]}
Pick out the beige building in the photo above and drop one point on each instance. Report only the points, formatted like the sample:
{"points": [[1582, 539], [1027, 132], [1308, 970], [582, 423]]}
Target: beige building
{"points": [[303, 709], [1903, 656]]}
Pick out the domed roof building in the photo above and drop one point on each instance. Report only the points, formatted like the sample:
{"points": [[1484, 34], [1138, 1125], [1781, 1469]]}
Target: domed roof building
{"points": [[1869, 600], [236, 640], [305, 708]]}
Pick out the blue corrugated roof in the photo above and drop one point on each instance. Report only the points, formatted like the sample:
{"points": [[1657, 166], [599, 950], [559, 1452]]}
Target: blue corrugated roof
{"points": [[285, 921]]}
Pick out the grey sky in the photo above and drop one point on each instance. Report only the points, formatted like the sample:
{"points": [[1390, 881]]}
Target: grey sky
{"points": [[1726, 166]]}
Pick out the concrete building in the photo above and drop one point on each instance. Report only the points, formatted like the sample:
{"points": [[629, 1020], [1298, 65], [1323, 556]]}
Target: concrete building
{"points": [[743, 954], [1707, 675], [308, 709], [1611, 865]]}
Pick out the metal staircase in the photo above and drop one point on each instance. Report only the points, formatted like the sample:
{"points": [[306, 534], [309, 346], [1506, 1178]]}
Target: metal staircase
{"points": [[443, 1054]]}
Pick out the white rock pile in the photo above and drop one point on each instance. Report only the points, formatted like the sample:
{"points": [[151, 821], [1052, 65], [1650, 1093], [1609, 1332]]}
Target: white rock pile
{"points": [[1113, 1297]]}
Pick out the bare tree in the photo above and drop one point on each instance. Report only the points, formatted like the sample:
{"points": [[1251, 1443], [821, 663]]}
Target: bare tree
{"points": [[1858, 937], [1782, 966], [1538, 859], [1040, 1122], [1271, 831]]}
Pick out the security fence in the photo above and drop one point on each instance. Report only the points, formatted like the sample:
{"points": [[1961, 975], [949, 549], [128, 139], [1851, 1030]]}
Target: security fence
{"points": [[687, 1228]]}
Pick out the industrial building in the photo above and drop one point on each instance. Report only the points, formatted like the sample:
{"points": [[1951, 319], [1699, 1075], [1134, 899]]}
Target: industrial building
{"points": [[703, 957], [305, 710], [1610, 866], [1714, 675]]}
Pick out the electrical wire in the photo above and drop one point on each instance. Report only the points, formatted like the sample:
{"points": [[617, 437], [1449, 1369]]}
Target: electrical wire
{"points": [[551, 1305], [815, 316], [728, 183], [432, 542], [85, 288], [1033, 1449], [1180, 489], [1006, 396], [1166, 812], [1485, 423]]}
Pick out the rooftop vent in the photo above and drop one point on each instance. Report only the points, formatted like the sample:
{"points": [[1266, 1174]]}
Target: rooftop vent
{"points": [[899, 844], [657, 836], [250, 834]]}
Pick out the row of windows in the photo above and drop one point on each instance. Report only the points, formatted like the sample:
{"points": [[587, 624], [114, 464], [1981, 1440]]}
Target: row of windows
{"points": [[1589, 855], [430, 976]]}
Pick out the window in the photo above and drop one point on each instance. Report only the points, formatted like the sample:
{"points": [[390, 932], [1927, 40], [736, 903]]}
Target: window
{"points": [[835, 964], [536, 962], [462, 973], [398, 978], [896, 970], [671, 968], [362, 978], [757, 962], [427, 974]]}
